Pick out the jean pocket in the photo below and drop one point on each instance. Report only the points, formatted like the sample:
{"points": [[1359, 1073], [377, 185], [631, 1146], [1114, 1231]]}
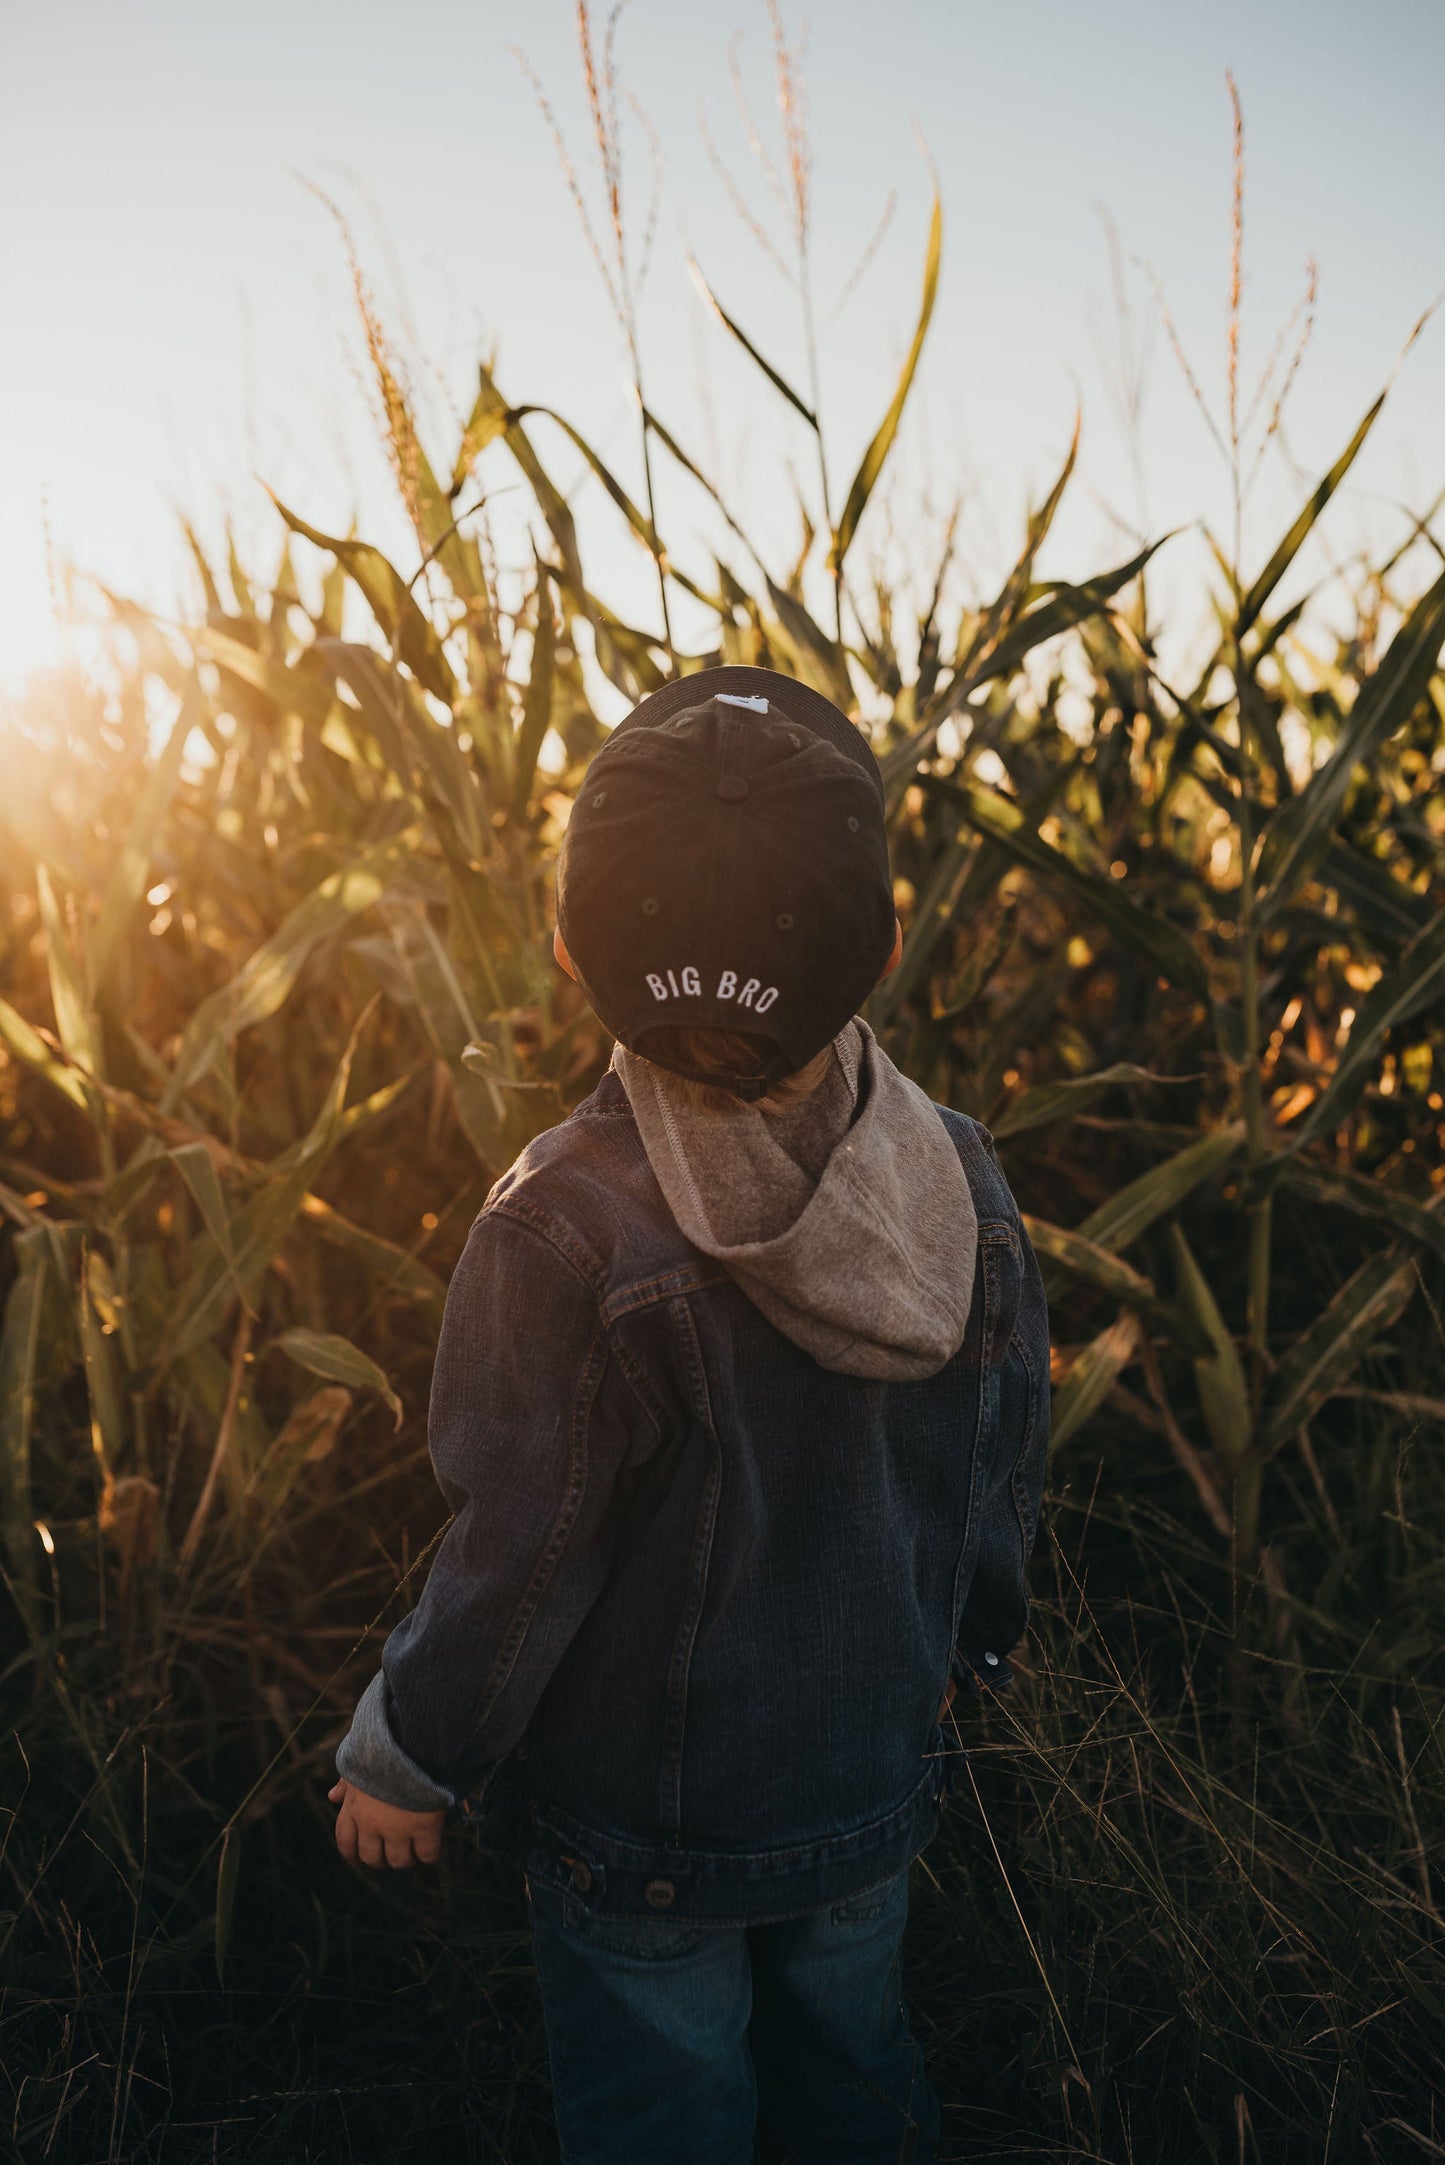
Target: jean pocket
{"points": [[641, 1939]]}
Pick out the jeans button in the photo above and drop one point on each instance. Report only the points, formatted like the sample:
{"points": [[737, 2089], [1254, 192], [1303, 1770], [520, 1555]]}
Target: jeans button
{"points": [[660, 1893], [581, 1876]]}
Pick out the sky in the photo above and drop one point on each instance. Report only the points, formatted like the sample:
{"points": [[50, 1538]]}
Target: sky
{"points": [[177, 330]]}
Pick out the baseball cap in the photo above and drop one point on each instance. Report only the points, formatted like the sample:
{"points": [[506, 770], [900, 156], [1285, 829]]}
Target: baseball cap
{"points": [[725, 865]]}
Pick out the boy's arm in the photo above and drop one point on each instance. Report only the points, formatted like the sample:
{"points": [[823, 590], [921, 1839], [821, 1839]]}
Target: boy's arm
{"points": [[1011, 1490], [530, 1419]]}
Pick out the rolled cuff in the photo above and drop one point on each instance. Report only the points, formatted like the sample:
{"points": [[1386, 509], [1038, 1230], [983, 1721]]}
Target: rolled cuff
{"points": [[370, 1756], [980, 1669]]}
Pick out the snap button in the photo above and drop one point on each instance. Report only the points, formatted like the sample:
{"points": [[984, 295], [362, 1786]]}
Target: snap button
{"points": [[732, 788], [992, 1660], [660, 1893], [581, 1877]]}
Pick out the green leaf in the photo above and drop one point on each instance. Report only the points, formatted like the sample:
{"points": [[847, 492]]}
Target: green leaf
{"points": [[996, 816], [197, 1168], [1047, 1102], [257, 1230], [337, 1360], [392, 603], [779, 382], [1085, 1260], [19, 1356], [1363, 1196], [228, 1874], [1095, 1371], [1219, 1375], [30, 1047], [294, 690], [1417, 980], [1389, 911], [493, 417], [882, 444], [537, 707], [102, 1381], [1060, 609], [819, 658], [1295, 539], [264, 983], [1332, 1347], [1300, 831], [128, 876], [395, 1268], [489, 419], [74, 1019], [1120, 1221]]}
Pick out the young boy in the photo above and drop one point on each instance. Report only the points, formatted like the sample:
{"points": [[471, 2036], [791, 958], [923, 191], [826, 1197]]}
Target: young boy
{"points": [[741, 1403]]}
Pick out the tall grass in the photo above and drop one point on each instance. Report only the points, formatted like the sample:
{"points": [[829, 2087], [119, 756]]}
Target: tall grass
{"points": [[278, 1006]]}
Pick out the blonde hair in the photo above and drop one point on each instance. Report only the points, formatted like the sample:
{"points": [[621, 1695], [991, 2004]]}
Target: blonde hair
{"points": [[731, 1055]]}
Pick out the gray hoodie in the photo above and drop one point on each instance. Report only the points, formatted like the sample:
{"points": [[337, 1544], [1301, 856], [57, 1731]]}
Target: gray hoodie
{"points": [[846, 1219]]}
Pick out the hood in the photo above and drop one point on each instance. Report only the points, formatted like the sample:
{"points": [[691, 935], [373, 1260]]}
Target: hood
{"points": [[847, 1219]]}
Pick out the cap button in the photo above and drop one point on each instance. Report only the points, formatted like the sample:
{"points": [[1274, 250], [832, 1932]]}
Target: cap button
{"points": [[732, 788]]}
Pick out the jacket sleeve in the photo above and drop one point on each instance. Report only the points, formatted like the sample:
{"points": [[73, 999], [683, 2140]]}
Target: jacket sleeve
{"points": [[1010, 1492], [531, 1418]]}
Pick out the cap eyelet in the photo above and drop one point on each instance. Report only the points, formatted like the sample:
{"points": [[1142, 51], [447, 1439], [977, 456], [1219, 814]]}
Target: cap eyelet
{"points": [[649, 905], [600, 797], [785, 921], [852, 823], [795, 740]]}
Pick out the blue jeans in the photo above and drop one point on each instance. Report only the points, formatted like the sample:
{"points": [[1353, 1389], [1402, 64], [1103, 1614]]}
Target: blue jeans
{"points": [[670, 2041]]}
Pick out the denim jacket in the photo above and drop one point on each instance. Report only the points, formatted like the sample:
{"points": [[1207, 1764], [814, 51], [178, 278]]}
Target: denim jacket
{"points": [[684, 1644]]}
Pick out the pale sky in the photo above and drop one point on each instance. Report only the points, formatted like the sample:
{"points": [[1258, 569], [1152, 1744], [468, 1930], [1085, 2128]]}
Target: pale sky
{"points": [[177, 326]]}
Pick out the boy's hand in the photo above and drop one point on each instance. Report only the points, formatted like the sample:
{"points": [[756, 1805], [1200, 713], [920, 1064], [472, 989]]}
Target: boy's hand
{"points": [[370, 1832]]}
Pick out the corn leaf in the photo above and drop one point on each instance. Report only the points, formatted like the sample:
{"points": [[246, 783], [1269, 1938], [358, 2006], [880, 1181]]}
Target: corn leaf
{"points": [[396, 1268], [1416, 981], [391, 601], [264, 983], [337, 1360], [1303, 827], [778, 381], [1095, 1371], [1119, 1221], [1364, 1197], [19, 1356], [537, 706], [819, 658], [197, 1168], [30, 1047], [228, 1877], [74, 1019], [1389, 911], [1219, 1375], [1072, 1256], [257, 1230], [1299, 533], [873, 458], [128, 876], [1003, 822], [1048, 1102], [1331, 1349], [102, 1384], [1060, 609]]}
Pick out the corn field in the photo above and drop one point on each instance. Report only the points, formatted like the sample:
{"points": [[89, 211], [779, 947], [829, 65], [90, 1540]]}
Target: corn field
{"points": [[277, 1006]]}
